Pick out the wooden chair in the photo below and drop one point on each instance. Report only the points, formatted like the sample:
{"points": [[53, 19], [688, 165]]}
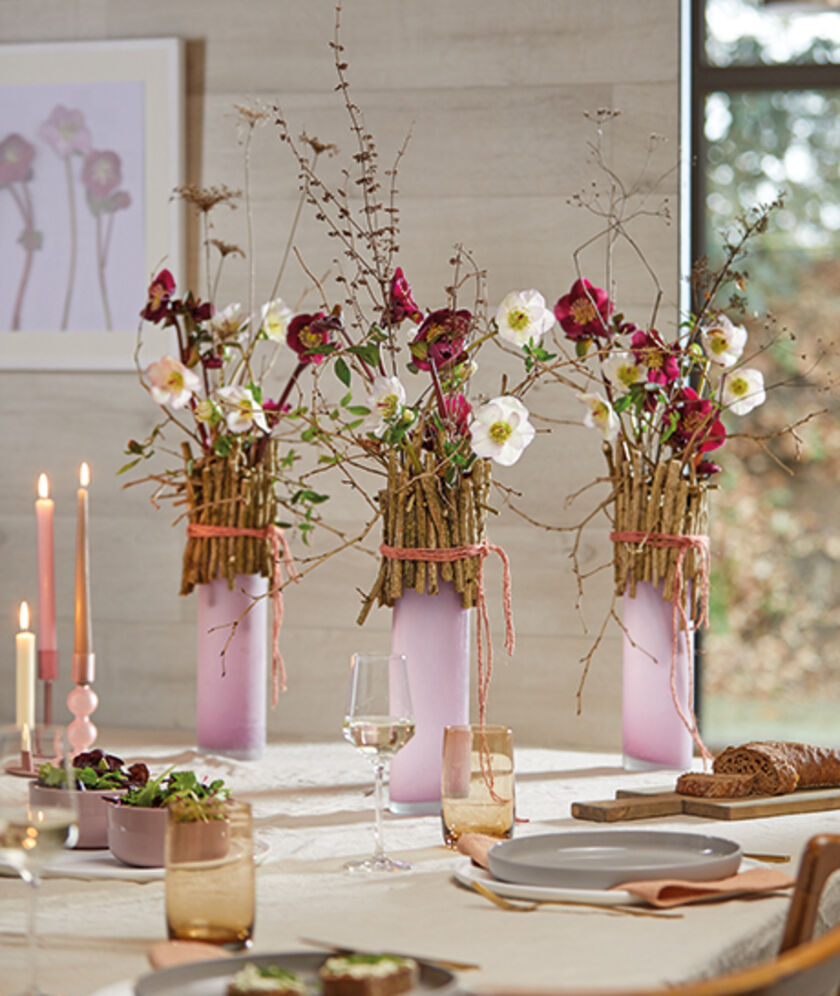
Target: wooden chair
{"points": [[803, 967]]}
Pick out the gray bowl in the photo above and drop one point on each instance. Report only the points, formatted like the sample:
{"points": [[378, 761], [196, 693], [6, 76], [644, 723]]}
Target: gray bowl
{"points": [[601, 859]]}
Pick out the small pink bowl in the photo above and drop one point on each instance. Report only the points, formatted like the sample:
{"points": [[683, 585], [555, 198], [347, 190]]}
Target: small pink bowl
{"points": [[137, 834]]}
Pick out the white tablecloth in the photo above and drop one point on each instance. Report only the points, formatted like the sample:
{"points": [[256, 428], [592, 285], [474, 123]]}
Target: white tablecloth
{"points": [[311, 808]]}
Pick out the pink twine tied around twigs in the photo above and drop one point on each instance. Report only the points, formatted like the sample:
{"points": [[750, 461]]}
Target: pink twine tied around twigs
{"points": [[679, 616], [480, 550], [281, 554]]}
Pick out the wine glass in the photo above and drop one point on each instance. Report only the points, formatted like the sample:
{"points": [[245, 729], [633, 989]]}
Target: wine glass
{"points": [[32, 834], [378, 722]]}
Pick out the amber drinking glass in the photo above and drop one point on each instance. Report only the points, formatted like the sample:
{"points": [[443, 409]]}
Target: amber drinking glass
{"points": [[477, 787], [210, 880]]}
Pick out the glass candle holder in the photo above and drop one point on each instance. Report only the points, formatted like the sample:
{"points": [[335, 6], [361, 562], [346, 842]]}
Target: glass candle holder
{"points": [[477, 784], [210, 881]]}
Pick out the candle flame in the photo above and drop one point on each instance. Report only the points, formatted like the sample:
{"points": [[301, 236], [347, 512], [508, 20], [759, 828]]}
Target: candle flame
{"points": [[43, 486], [24, 615], [84, 475], [25, 740]]}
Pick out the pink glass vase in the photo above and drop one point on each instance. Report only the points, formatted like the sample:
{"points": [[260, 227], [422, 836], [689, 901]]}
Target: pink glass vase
{"points": [[230, 706], [433, 631], [653, 732]]}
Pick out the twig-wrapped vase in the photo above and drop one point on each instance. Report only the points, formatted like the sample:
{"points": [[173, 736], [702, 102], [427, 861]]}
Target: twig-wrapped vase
{"points": [[232, 574]]}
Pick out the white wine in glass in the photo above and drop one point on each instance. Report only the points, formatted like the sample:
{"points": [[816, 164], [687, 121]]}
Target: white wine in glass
{"points": [[378, 722], [32, 835]]}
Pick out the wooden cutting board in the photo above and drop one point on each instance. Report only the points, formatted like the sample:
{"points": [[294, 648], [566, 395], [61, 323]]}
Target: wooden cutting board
{"points": [[630, 804]]}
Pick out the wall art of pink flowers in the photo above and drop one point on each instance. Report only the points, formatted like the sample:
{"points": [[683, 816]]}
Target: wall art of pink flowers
{"points": [[71, 173]]}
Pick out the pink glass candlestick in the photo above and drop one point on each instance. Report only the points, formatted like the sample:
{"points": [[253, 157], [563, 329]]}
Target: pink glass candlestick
{"points": [[231, 706], [433, 631], [82, 702]]}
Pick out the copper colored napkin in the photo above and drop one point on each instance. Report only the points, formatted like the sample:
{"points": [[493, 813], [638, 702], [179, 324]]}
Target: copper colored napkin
{"points": [[476, 846], [168, 954], [677, 892], [662, 892]]}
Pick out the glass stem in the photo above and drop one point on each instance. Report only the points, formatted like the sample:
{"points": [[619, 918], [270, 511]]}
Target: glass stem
{"points": [[34, 882], [378, 796]]}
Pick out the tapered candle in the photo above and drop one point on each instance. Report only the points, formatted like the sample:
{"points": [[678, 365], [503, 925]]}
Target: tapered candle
{"points": [[44, 514], [83, 642], [25, 659]]}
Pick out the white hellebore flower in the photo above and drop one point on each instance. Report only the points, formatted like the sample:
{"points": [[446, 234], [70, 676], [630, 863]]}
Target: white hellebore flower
{"points": [[171, 383], [522, 315], [500, 429], [743, 390], [386, 400], [622, 370], [275, 319], [229, 322], [723, 342], [241, 409], [599, 415]]}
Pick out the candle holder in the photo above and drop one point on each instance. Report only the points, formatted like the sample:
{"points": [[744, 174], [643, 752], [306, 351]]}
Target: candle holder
{"points": [[48, 672], [82, 701], [26, 767]]}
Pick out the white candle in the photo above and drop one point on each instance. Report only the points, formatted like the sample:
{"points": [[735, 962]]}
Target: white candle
{"points": [[25, 658], [83, 642], [44, 514]]}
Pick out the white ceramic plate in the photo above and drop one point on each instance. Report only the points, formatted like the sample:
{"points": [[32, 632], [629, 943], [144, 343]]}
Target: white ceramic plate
{"points": [[600, 859], [102, 864], [210, 978], [467, 873]]}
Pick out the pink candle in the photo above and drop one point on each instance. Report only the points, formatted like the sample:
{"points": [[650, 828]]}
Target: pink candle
{"points": [[83, 639], [47, 652]]}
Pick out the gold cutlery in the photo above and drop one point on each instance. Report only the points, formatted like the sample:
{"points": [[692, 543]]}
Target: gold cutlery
{"points": [[452, 966], [520, 906], [770, 858]]}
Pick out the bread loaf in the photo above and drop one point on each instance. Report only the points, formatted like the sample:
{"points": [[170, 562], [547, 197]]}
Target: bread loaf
{"points": [[781, 767]]}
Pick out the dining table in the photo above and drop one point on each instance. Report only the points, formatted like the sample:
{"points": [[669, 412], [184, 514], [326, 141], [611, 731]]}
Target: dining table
{"points": [[313, 810]]}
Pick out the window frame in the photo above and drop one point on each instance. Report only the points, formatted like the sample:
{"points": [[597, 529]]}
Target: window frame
{"points": [[698, 79]]}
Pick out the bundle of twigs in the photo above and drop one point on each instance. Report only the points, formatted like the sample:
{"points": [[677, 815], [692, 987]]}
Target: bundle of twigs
{"points": [[420, 511], [664, 503], [229, 491]]}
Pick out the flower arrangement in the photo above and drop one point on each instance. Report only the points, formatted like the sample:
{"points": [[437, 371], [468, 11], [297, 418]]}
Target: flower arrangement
{"points": [[663, 404]]}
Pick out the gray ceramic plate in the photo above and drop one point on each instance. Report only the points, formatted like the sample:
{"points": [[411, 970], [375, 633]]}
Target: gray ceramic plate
{"points": [[600, 859], [210, 978]]}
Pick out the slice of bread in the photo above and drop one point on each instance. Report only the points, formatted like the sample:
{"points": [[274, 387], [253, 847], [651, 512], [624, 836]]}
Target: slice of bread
{"points": [[368, 975], [716, 786]]}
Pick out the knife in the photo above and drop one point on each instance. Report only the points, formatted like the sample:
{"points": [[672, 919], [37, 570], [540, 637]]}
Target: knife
{"points": [[452, 966]]}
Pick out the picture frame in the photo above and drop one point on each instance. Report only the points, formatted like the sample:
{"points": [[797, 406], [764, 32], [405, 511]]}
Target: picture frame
{"points": [[91, 148]]}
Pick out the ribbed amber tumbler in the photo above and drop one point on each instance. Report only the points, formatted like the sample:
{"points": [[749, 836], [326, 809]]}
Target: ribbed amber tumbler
{"points": [[477, 785], [210, 882]]}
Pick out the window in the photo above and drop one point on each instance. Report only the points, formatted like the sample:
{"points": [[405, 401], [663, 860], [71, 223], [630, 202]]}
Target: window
{"points": [[766, 118]]}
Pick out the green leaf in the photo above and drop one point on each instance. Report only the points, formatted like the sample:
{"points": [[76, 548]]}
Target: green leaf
{"points": [[370, 354], [342, 371], [129, 465], [623, 403], [223, 445], [346, 399], [582, 348], [358, 409]]}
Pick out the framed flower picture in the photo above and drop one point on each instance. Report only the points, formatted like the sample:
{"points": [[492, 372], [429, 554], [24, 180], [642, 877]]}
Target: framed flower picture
{"points": [[91, 146]]}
